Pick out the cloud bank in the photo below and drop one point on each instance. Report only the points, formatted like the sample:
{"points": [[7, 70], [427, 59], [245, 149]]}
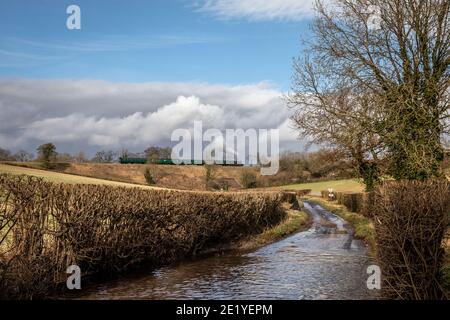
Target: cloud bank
{"points": [[91, 115]]}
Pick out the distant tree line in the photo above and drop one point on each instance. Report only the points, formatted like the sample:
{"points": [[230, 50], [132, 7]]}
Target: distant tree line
{"points": [[47, 153], [307, 166], [295, 167], [21, 155], [301, 167]]}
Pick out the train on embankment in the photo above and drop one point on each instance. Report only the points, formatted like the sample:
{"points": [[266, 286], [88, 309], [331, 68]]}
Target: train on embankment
{"points": [[128, 160]]}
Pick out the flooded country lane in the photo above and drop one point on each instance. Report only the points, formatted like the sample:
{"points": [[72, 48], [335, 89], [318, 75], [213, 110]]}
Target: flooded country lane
{"points": [[324, 262]]}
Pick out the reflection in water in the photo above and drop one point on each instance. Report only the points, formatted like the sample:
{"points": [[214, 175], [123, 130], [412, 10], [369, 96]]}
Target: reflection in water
{"points": [[324, 262]]}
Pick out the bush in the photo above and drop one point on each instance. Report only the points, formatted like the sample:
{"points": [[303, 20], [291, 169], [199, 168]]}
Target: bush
{"points": [[209, 176], [289, 197], [109, 230], [368, 203], [248, 179], [353, 201], [149, 177], [224, 185], [411, 218]]}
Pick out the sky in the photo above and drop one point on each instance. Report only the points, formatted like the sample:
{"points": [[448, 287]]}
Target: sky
{"points": [[138, 69]]}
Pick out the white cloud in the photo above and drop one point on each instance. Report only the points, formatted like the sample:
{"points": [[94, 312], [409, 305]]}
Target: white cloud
{"points": [[259, 10], [88, 114], [134, 130]]}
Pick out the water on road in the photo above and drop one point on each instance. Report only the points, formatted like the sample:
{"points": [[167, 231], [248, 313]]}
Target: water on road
{"points": [[324, 262]]}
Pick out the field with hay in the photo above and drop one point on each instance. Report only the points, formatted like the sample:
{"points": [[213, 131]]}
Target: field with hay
{"points": [[165, 176], [59, 177], [172, 177]]}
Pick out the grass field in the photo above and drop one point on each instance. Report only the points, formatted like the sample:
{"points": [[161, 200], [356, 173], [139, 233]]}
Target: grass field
{"points": [[171, 177], [115, 175], [63, 177], [337, 185]]}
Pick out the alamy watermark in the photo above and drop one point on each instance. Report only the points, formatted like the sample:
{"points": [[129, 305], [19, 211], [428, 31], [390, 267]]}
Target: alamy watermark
{"points": [[73, 22], [374, 279], [74, 280], [238, 146]]}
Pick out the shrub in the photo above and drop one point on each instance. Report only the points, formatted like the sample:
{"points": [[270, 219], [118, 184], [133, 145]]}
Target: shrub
{"points": [[289, 196], [353, 201], [411, 218], [224, 185], [367, 206], [209, 176], [149, 177], [109, 230], [248, 179]]}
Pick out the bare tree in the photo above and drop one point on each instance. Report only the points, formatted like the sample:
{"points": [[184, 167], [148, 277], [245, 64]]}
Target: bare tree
{"points": [[23, 156], [80, 157], [394, 74], [341, 118], [158, 153], [64, 158], [5, 155], [104, 157]]}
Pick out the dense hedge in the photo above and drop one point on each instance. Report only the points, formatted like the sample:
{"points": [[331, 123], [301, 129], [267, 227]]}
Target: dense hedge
{"points": [[411, 219], [46, 227], [353, 201]]}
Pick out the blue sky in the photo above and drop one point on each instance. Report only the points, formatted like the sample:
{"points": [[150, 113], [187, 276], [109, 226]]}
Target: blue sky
{"points": [[139, 69], [141, 41]]}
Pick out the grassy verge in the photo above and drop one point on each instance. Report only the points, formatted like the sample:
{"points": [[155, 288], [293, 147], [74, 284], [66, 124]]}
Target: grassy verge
{"points": [[364, 229], [295, 221], [350, 185]]}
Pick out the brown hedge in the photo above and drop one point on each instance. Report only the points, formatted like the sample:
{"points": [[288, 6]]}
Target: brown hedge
{"points": [[411, 219], [304, 192], [366, 208], [46, 227], [353, 201]]}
